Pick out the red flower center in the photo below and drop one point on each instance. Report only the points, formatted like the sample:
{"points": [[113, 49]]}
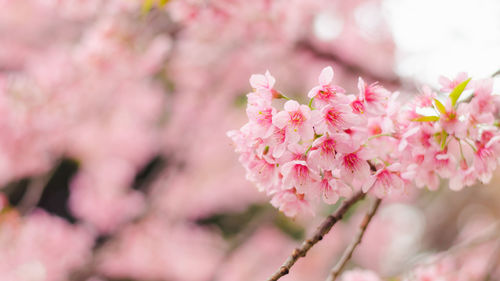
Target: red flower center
{"points": [[351, 161], [297, 118]]}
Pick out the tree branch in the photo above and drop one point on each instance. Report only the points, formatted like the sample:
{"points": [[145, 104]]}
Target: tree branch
{"points": [[322, 230], [34, 192], [493, 263], [346, 256], [307, 46]]}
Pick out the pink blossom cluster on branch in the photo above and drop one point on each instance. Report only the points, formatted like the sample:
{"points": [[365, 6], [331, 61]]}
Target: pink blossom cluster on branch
{"points": [[340, 142]]}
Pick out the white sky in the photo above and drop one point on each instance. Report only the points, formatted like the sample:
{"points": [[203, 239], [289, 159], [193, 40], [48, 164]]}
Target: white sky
{"points": [[443, 37]]}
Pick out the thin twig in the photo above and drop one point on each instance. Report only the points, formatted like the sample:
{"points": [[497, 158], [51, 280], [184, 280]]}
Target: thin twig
{"points": [[322, 230], [493, 232], [493, 263], [242, 237], [346, 256], [34, 192]]}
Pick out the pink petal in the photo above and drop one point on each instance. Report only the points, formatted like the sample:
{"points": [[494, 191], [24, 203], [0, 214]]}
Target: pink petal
{"points": [[314, 91], [291, 105], [326, 76], [343, 143], [281, 119], [306, 133], [258, 81], [270, 79], [444, 81], [361, 86], [456, 183], [367, 184], [306, 111]]}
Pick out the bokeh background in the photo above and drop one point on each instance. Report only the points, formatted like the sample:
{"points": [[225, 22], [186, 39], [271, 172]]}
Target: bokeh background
{"points": [[114, 160]]}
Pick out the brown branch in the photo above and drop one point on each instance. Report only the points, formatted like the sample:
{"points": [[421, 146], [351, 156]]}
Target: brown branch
{"points": [[355, 69], [322, 230], [34, 192], [346, 256]]}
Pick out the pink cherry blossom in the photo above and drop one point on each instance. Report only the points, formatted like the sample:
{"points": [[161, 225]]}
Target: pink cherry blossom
{"points": [[374, 96], [444, 163], [358, 106], [279, 140], [262, 120], [387, 180], [262, 82], [290, 202], [297, 120], [483, 106], [451, 121], [324, 149], [369, 142], [335, 117], [355, 169], [332, 188], [485, 158], [448, 85], [466, 176], [326, 93], [296, 174], [263, 85], [262, 172]]}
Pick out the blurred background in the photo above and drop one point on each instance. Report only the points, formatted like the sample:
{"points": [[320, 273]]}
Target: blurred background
{"points": [[114, 160]]}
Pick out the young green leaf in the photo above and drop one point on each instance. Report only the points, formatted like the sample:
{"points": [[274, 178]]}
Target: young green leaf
{"points": [[455, 94], [426, 119], [444, 136], [311, 103], [147, 5], [163, 3], [440, 107]]}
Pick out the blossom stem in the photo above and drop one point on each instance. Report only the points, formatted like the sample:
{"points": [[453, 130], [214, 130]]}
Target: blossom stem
{"points": [[491, 233], [461, 150], [322, 230], [308, 149], [310, 103], [281, 96], [346, 256], [34, 192], [380, 135], [471, 145]]}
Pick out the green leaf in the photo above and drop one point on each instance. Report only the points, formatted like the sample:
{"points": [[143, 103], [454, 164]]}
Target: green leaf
{"points": [[163, 2], [426, 119], [455, 94], [146, 6], [289, 227], [311, 103], [440, 107], [232, 223], [240, 100], [444, 136]]}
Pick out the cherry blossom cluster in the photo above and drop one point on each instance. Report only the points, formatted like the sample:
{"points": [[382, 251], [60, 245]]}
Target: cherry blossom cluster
{"points": [[35, 247], [341, 142]]}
